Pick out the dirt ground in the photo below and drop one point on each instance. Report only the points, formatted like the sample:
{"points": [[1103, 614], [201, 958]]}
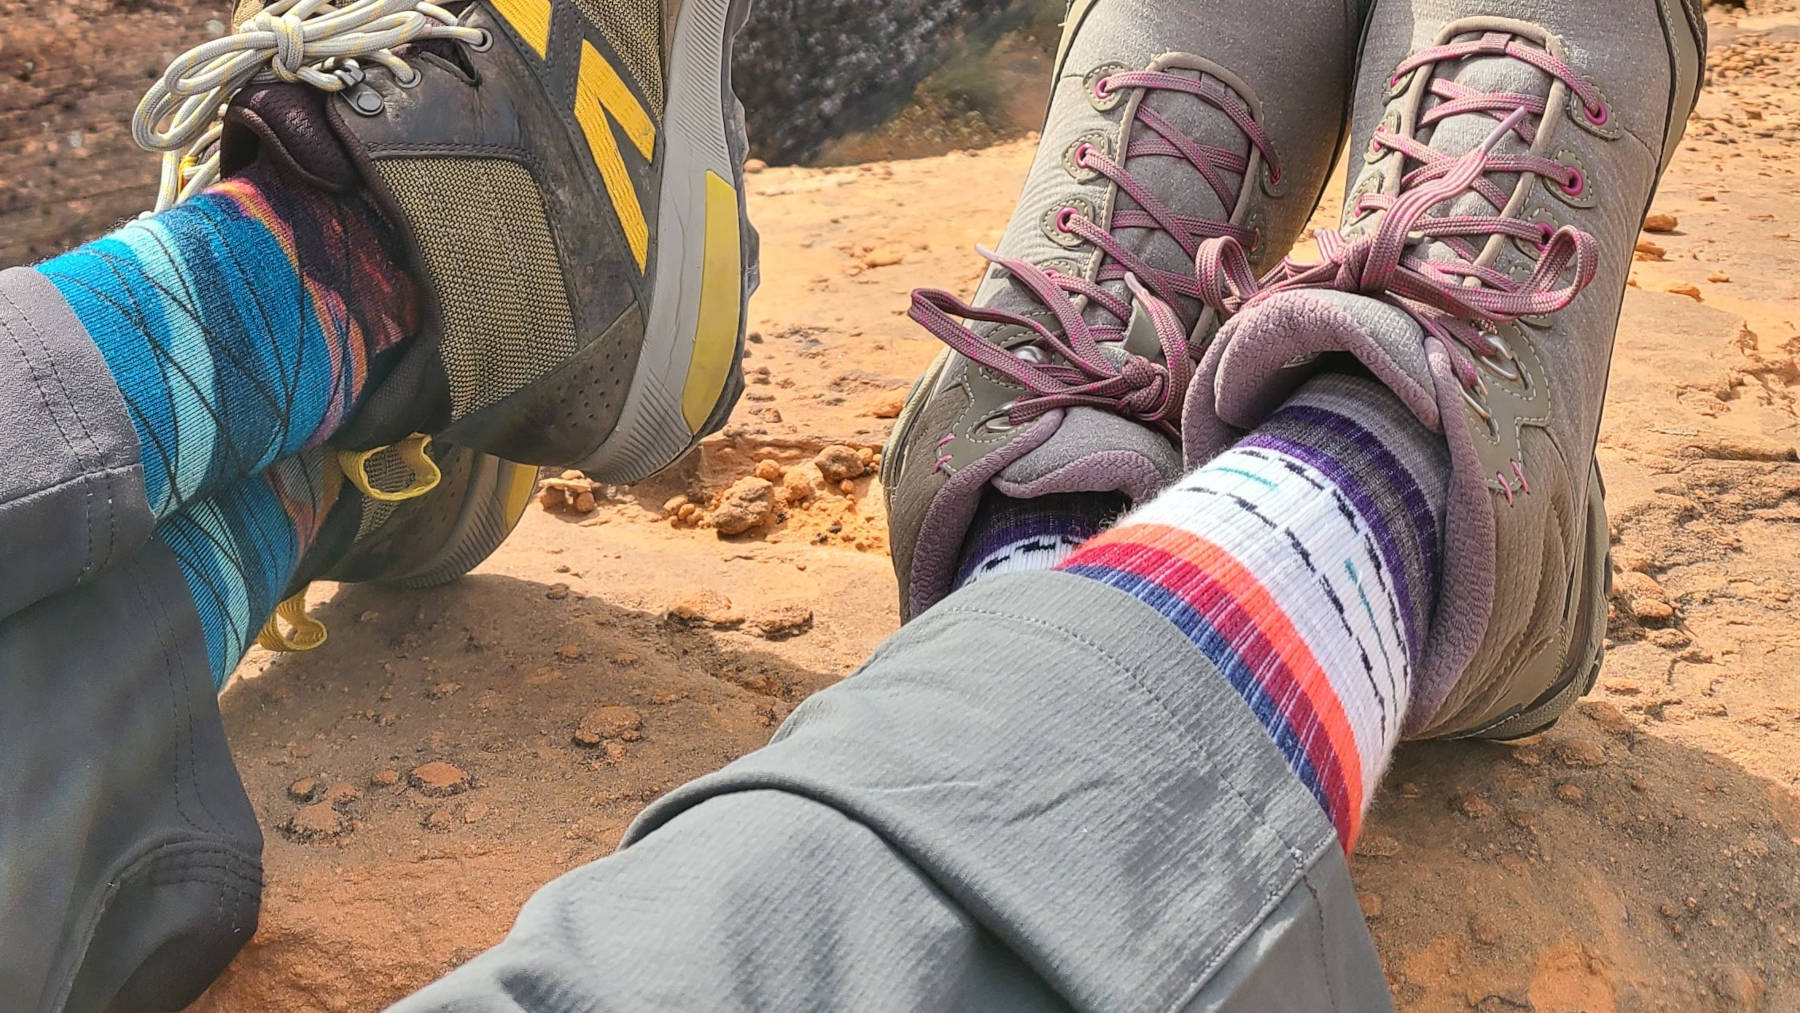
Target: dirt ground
{"points": [[1643, 856]]}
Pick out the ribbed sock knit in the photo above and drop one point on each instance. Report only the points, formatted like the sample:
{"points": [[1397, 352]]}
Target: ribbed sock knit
{"points": [[1014, 535], [1304, 563]]}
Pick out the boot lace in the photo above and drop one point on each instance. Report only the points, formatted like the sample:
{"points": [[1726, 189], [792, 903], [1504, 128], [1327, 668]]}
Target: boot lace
{"points": [[315, 42], [1458, 300], [1069, 369]]}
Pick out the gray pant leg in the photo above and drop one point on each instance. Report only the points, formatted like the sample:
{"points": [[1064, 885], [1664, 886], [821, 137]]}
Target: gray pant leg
{"points": [[71, 489], [1037, 794], [130, 859]]}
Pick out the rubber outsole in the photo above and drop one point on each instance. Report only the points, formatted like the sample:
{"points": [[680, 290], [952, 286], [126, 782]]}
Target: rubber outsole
{"points": [[1579, 678], [493, 504], [702, 135]]}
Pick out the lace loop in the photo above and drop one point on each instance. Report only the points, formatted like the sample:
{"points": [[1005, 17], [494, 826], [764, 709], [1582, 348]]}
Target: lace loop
{"points": [[312, 42], [1458, 299], [1077, 371]]}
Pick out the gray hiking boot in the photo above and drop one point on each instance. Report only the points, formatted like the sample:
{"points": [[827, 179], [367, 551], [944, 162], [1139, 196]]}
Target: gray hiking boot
{"points": [[567, 179], [1170, 124], [1506, 168]]}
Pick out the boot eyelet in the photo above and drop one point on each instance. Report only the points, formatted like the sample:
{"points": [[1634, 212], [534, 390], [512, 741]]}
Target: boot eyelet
{"points": [[1057, 222], [1597, 118], [1001, 420], [1100, 93], [1076, 158], [485, 43], [1274, 181], [411, 81], [1030, 353], [1577, 184]]}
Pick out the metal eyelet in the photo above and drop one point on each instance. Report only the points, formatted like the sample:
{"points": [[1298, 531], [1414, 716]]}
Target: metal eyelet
{"points": [[1481, 411], [1274, 183], [1056, 221], [1098, 95], [1000, 421], [411, 81], [1580, 191], [1073, 157], [1030, 353], [486, 42], [1602, 123]]}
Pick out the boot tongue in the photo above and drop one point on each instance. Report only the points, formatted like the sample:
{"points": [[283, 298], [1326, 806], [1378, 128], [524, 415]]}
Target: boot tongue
{"points": [[1458, 135], [1266, 352], [286, 123]]}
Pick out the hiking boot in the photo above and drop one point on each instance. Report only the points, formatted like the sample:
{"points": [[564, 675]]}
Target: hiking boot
{"points": [[1169, 124], [567, 178], [1504, 169], [418, 514]]}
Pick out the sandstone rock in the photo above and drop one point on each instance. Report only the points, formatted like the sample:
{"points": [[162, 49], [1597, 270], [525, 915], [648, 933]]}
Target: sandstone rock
{"points": [[748, 504], [1661, 223], [385, 778], [783, 622], [768, 470], [1649, 250], [838, 463], [304, 789], [1577, 753], [442, 690], [888, 404], [883, 256], [316, 822], [341, 794], [1691, 291], [704, 608], [611, 722], [438, 779]]}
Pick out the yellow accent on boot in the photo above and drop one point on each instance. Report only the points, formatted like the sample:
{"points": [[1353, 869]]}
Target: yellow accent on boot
{"points": [[531, 19], [519, 486], [721, 304], [599, 93], [412, 451], [307, 632]]}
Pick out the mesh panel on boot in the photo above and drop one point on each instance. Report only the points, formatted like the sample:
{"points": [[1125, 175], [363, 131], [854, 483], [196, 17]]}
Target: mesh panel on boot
{"points": [[634, 29], [388, 472], [486, 244]]}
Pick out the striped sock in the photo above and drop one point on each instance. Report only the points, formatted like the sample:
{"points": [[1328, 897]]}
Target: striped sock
{"points": [[239, 326], [1015, 535], [1304, 564], [239, 549]]}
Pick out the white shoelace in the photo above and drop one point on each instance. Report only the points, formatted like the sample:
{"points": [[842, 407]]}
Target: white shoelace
{"points": [[314, 42]]}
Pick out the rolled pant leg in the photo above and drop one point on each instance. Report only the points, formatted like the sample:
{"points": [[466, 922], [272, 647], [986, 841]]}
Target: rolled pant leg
{"points": [[1037, 794], [71, 489]]}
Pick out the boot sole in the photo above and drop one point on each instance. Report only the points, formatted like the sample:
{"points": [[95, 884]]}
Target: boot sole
{"points": [[1589, 621], [496, 497], [690, 373]]}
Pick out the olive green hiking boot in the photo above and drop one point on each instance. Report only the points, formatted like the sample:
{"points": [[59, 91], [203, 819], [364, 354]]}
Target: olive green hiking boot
{"points": [[417, 514], [567, 179]]}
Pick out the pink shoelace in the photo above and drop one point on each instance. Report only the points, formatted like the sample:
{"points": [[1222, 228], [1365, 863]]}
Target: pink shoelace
{"points": [[1070, 369], [1459, 301]]}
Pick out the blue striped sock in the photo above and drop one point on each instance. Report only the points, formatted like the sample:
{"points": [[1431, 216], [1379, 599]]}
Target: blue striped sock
{"points": [[239, 549], [239, 327]]}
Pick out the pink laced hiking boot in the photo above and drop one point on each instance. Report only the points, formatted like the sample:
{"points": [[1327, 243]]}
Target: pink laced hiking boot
{"points": [[1170, 124], [1506, 165]]}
